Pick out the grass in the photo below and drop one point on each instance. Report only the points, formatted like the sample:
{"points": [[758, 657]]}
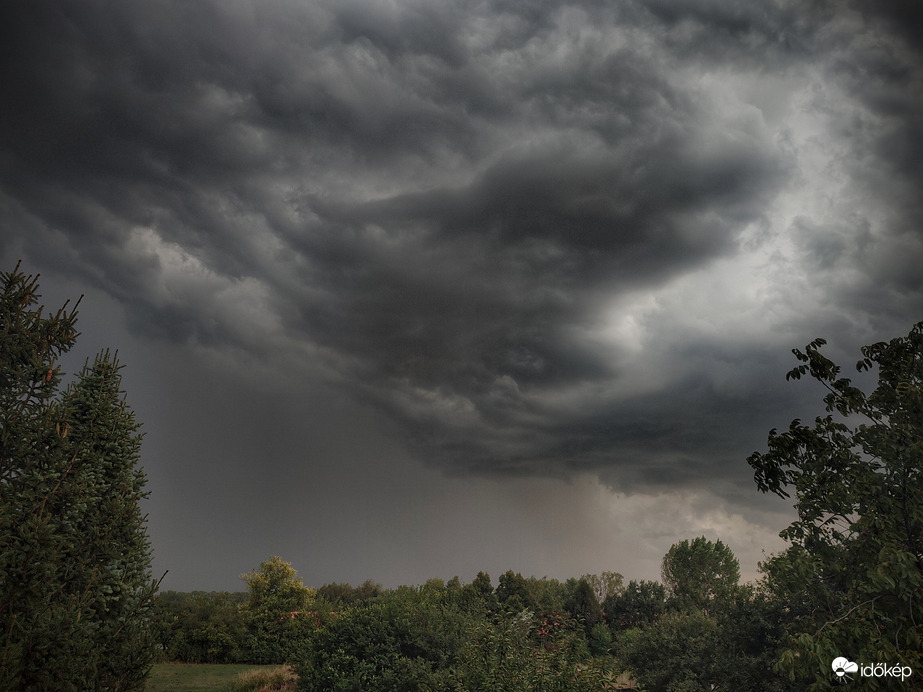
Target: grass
{"points": [[205, 677], [263, 680]]}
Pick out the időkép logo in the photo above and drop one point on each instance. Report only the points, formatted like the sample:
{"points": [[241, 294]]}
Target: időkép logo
{"points": [[845, 670]]}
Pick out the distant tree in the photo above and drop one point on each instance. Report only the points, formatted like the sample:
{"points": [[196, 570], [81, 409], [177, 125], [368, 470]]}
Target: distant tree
{"points": [[640, 604], [512, 591], [700, 573], [711, 634], [546, 596], [479, 594], [481, 584], [368, 590], [344, 594], [200, 627], [440, 637], [279, 613], [852, 579], [605, 584], [276, 588], [75, 589], [583, 606], [337, 593]]}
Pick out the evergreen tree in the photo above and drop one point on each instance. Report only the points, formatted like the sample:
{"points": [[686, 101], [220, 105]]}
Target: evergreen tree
{"points": [[111, 552], [74, 557]]}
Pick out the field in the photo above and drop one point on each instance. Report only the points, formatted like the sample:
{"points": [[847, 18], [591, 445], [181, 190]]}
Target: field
{"points": [[193, 677]]}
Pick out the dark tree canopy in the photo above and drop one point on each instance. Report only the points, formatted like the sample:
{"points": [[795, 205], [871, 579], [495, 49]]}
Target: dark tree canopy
{"points": [[853, 576], [641, 603]]}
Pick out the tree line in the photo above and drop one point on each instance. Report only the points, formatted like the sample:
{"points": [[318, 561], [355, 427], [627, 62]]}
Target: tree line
{"points": [[79, 609], [700, 626]]}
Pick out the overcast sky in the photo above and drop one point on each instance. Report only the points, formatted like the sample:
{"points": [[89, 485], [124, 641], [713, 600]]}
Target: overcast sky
{"points": [[410, 289]]}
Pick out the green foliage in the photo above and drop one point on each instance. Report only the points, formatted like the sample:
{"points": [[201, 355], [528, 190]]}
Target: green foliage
{"points": [[481, 585], [583, 606], [407, 639], [76, 604], [513, 592], [346, 595], [749, 629], [599, 639], [694, 650], [700, 574], [711, 634], [640, 604], [275, 587], [200, 627], [479, 596], [853, 575], [521, 653], [546, 596], [605, 585], [445, 637], [101, 518], [279, 615], [678, 653], [36, 618]]}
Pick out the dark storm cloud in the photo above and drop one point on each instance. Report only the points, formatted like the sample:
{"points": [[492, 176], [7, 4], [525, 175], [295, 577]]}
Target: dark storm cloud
{"points": [[447, 203], [463, 321]]}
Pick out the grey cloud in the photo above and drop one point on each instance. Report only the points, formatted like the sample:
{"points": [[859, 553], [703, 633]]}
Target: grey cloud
{"points": [[444, 199], [419, 28], [764, 35], [899, 17]]}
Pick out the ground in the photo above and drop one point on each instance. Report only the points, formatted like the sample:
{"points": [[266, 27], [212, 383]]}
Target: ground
{"points": [[194, 677]]}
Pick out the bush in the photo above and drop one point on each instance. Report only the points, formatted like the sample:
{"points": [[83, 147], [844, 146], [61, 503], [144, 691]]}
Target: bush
{"points": [[523, 653], [407, 639]]}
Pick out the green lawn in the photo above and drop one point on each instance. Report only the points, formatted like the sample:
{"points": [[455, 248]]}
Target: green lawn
{"points": [[195, 677]]}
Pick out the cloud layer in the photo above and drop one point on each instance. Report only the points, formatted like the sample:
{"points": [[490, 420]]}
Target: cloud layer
{"points": [[538, 239]]}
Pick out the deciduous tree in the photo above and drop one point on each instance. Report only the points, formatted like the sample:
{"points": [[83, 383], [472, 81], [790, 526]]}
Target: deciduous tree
{"points": [[853, 577], [278, 613], [605, 584], [582, 605], [700, 573], [640, 604]]}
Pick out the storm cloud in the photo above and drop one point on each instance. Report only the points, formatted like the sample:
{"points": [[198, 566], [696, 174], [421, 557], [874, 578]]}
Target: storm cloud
{"points": [[530, 239]]}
